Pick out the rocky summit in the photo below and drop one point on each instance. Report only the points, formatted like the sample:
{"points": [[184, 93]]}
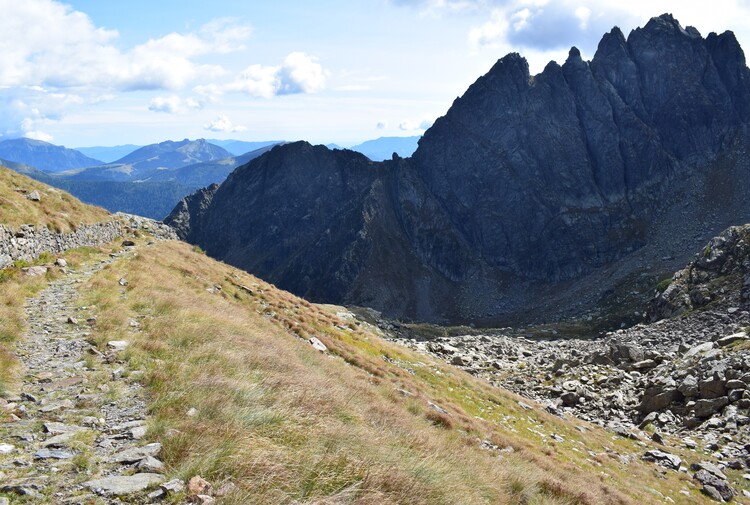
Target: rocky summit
{"points": [[534, 197]]}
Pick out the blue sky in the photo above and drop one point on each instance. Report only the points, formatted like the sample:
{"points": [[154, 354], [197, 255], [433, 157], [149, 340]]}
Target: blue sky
{"points": [[93, 72]]}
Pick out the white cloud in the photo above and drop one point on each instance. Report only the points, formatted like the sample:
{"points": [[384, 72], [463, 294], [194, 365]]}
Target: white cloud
{"points": [[408, 125], [382, 125], [223, 124], [46, 43], [491, 32], [174, 104], [299, 73]]}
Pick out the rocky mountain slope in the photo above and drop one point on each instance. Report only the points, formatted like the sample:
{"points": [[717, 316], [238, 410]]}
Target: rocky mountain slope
{"points": [[142, 371], [685, 374], [43, 155], [534, 197]]}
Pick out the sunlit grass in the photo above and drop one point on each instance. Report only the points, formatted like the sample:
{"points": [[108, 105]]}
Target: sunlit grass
{"points": [[57, 210], [288, 424]]}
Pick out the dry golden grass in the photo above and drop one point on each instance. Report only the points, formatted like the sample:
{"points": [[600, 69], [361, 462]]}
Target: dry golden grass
{"points": [[288, 424], [57, 210]]}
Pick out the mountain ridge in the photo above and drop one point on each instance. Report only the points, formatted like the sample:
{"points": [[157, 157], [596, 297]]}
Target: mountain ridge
{"points": [[43, 155], [526, 184]]}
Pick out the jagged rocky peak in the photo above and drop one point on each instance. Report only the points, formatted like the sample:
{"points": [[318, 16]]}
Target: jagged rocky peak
{"points": [[526, 184]]}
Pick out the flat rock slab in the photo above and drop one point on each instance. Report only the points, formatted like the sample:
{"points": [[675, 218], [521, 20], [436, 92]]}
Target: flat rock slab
{"points": [[122, 485], [135, 454], [62, 383], [61, 440], [59, 428], [53, 454]]}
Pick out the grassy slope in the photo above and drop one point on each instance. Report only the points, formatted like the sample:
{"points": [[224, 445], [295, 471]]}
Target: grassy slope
{"points": [[288, 424], [57, 210]]}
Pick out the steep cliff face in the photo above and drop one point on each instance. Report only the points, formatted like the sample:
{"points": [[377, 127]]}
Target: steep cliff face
{"points": [[526, 184], [554, 174]]}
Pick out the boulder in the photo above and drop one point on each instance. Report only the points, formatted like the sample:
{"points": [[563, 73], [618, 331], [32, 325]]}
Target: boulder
{"points": [[662, 458], [712, 484], [706, 408]]}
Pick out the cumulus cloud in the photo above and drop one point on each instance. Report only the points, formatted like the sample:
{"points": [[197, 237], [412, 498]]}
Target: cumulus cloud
{"points": [[222, 124], [46, 43], [299, 73], [415, 126], [174, 104], [50, 54], [548, 26]]}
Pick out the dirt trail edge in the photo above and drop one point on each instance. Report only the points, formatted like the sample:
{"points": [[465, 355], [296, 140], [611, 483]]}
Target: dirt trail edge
{"points": [[79, 423]]}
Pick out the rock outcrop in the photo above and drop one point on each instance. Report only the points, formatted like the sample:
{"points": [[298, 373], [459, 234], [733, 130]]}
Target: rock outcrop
{"points": [[526, 184], [720, 271]]}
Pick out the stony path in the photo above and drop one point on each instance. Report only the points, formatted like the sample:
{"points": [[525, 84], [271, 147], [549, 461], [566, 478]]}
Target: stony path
{"points": [[80, 417]]}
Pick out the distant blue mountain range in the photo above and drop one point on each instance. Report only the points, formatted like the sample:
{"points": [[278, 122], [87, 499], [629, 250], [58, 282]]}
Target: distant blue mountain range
{"points": [[43, 155], [108, 154]]}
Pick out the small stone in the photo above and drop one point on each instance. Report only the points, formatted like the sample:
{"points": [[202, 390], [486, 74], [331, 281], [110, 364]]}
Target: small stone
{"points": [[202, 499], [60, 262], [72, 320], [135, 454], [117, 345], [123, 485], [128, 243], [174, 486], [525, 406], [226, 489], [704, 347], [29, 397], [656, 437], [122, 282], [4, 501], [34, 196], [192, 412], [138, 432], [197, 485], [159, 494], [150, 464], [317, 344], [6, 448], [35, 271]]}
